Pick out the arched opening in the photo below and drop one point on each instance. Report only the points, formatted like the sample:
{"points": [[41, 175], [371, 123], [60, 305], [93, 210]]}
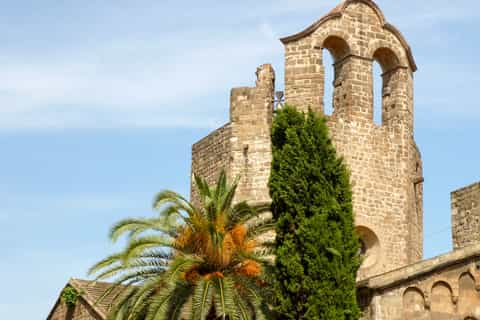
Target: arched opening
{"points": [[413, 304], [338, 50], [385, 74], [441, 300], [377, 93], [329, 79], [369, 247], [469, 297]]}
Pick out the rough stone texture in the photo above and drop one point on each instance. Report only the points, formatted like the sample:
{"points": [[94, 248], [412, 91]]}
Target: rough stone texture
{"points": [[445, 287], [466, 216], [88, 306], [81, 311], [384, 161], [385, 164], [210, 155], [242, 147]]}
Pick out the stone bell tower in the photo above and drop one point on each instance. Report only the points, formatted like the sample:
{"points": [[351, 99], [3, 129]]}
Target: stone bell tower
{"points": [[384, 161]]}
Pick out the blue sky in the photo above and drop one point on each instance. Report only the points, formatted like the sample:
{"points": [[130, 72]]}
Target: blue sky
{"points": [[100, 102]]}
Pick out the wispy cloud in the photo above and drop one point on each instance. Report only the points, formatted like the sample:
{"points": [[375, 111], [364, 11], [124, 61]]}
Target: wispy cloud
{"points": [[135, 83], [174, 78]]}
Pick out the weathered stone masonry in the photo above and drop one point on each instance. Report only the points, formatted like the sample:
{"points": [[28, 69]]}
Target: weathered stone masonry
{"points": [[242, 147], [384, 161], [466, 216], [385, 164]]}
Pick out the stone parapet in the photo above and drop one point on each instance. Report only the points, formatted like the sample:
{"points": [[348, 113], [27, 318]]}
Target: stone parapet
{"points": [[242, 147], [444, 287]]}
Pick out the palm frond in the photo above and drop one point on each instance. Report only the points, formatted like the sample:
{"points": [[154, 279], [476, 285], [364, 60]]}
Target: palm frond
{"points": [[243, 307], [202, 299], [106, 262], [136, 247], [194, 261], [243, 213], [178, 299], [134, 227], [182, 263], [158, 304], [221, 187], [119, 310], [254, 232], [172, 197], [203, 188], [224, 298]]}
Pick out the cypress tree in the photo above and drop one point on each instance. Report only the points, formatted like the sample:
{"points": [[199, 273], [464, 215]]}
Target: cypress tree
{"points": [[316, 247]]}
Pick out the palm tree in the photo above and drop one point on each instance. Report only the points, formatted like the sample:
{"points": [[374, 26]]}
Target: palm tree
{"points": [[191, 261]]}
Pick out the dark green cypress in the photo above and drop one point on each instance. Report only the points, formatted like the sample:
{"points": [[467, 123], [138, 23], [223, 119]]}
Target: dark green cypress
{"points": [[316, 247]]}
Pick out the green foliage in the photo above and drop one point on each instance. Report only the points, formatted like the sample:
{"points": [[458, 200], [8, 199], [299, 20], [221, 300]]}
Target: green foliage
{"points": [[70, 296], [316, 246], [196, 262]]}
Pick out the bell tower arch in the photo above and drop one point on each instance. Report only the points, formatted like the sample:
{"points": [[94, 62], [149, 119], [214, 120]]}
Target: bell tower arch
{"points": [[384, 161]]}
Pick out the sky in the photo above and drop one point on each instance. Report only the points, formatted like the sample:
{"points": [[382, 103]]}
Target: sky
{"points": [[100, 102]]}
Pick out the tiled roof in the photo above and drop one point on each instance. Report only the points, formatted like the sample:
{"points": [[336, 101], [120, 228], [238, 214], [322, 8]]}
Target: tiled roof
{"points": [[92, 291]]}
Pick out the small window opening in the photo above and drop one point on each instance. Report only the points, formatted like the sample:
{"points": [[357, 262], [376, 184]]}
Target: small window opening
{"points": [[335, 49], [328, 84], [378, 92], [385, 61]]}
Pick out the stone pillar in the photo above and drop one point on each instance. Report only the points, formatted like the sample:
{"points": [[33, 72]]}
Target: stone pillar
{"points": [[304, 76], [353, 92]]}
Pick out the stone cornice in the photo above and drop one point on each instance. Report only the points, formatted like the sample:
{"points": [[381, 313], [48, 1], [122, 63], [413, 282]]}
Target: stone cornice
{"points": [[420, 269]]}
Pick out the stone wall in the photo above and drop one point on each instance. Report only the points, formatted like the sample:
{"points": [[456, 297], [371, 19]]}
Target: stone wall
{"points": [[242, 146], [466, 216], [385, 163], [445, 287], [210, 155]]}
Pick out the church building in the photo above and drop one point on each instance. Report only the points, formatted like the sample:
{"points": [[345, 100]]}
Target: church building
{"points": [[394, 282]]}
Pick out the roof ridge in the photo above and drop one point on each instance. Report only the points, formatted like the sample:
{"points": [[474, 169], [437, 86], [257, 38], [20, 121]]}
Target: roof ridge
{"points": [[85, 294]]}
